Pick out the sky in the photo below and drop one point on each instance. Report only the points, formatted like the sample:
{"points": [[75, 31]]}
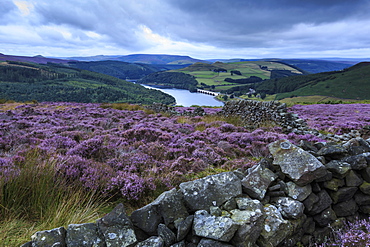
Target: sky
{"points": [[202, 29]]}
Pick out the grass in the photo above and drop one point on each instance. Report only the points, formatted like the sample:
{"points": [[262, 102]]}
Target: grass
{"points": [[248, 68], [35, 201]]}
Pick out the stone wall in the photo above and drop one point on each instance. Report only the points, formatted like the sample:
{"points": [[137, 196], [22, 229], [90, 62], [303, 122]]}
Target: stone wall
{"points": [[291, 198], [255, 113]]}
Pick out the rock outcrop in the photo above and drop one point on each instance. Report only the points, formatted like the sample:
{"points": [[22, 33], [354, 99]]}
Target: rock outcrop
{"points": [[292, 198]]}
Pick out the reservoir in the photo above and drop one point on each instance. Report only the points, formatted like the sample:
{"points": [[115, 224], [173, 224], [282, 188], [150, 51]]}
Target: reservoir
{"points": [[185, 98]]}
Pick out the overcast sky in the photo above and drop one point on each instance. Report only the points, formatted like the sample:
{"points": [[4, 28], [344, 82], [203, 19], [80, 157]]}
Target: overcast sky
{"points": [[199, 28]]}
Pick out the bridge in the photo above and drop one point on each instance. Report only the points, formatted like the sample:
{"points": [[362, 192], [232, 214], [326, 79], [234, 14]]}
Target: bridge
{"points": [[207, 92]]}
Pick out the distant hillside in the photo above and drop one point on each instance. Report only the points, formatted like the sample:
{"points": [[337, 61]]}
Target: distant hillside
{"points": [[24, 82], [117, 69], [351, 83], [35, 59], [316, 66], [224, 76], [171, 79], [144, 58]]}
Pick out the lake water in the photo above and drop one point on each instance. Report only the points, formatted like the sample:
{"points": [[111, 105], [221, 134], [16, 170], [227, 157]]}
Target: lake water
{"points": [[185, 98]]}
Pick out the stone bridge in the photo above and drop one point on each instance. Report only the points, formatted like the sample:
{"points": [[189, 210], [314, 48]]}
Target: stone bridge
{"points": [[208, 92]]}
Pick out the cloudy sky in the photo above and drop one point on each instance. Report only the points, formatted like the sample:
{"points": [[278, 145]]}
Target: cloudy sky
{"points": [[198, 28]]}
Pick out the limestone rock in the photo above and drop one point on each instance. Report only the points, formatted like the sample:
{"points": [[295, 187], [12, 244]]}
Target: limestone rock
{"points": [[289, 208], [217, 228], [80, 235], [257, 181], [54, 237], [210, 191], [275, 229], [301, 166], [117, 228], [296, 192]]}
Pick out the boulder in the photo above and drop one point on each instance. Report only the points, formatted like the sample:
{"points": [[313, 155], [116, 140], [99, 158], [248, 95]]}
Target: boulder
{"points": [[250, 222], [212, 243], [343, 194], [301, 166], [55, 237], [257, 181], [362, 199], [365, 188], [80, 235], [324, 201], [166, 234], [153, 241], [296, 192], [353, 180], [217, 228], [183, 227], [339, 169], [357, 162], [166, 208], [289, 208], [117, 228], [275, 228], [326, 217], [332, 150], [346, 208], [334, 184], [203, 193]]}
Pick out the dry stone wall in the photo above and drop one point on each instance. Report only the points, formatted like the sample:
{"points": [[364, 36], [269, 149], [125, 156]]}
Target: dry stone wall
{"points": [[291, 198]]}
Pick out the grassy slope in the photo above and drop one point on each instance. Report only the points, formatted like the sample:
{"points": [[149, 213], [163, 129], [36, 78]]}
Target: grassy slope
{"points": [[353, 83], [70, 84], [204, 72]]}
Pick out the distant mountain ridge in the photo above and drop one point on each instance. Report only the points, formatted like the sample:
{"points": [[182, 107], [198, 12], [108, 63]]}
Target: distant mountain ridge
{"points": [[143, 58], [36, 59]]}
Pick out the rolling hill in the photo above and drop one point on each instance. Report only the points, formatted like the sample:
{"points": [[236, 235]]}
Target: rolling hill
{"points": [[350, 83], [36, 59], [144, 58], [52, 82]]}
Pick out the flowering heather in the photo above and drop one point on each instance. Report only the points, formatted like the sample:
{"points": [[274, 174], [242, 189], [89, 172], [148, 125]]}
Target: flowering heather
{"points": [[336, 118], [127, 152]]}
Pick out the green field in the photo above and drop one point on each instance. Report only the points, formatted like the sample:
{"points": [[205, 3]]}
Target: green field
{"points": [[204, 72]]}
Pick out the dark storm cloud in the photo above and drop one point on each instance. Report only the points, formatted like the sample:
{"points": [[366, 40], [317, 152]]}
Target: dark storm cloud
{"points": [[234, 22], [263, 27]]}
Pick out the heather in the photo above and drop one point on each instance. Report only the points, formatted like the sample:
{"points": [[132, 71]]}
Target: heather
{"points": [[336, 118], [98, 154]]}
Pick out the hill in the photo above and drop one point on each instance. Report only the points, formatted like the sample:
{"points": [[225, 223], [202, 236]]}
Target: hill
{"points": [[171, 79], [351, 83], [35, 59], [316, 66], [222, 76], [144, 58], [117, 69], [53, 82]]}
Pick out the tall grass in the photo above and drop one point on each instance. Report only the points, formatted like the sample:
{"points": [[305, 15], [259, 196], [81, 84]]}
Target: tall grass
{"points": [[36, 200]]}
